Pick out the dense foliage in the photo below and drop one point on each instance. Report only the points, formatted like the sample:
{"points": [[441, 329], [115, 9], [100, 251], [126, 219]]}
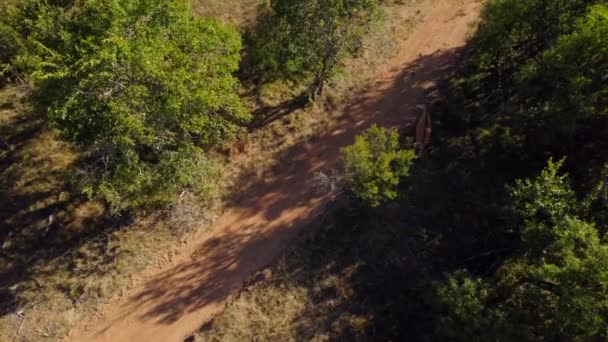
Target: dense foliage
{"points": [[308, 39], [534, 87], [375, 163], [568, 82], [10, 48], [142, 84]]}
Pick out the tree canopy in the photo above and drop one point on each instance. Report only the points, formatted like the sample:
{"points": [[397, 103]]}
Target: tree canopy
{"points": [[309, 38], [534, 87], [142, 84], [556, 287]]}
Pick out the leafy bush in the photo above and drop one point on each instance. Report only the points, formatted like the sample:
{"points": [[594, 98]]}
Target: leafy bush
{"points": [[528, 87], [308, 39], [463, 300], [374, 164], [537, 271], [534, 85], [143, 85]]}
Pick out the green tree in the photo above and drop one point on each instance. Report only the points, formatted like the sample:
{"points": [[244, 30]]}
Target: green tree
{"points": [[548, 198], [567, 87], [556, 288], [143, 85], [462, 301], [10, 48], [513, 32], [374, 164], [535, 85], [309, 38], [537, 73]]}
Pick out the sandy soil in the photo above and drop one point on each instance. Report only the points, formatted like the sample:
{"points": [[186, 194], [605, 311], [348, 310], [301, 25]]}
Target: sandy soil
{"points": [[175, 300]]}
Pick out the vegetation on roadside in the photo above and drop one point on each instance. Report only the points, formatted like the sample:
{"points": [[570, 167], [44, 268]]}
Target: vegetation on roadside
{"points": [[375, 163], [544, 98], [146, 90], [99, 99], [562, 271], [308, 39]]}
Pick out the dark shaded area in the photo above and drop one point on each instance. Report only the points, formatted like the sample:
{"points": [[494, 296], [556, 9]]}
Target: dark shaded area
{"points": [[42, 227], [383, 272], [265, 115]]}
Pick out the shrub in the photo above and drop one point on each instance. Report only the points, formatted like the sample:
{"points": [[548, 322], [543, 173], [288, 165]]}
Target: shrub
{"points": [[374, 164], [547, 198]]}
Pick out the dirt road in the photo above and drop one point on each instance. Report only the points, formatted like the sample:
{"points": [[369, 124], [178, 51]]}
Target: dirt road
{"points": [[186, 293]]}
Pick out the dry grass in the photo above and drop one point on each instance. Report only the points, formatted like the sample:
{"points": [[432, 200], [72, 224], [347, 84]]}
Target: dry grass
{"points": [[262, 312]]}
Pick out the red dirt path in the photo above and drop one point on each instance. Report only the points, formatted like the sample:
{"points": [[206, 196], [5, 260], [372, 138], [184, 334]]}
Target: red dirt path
{"points": [[176, 300]]}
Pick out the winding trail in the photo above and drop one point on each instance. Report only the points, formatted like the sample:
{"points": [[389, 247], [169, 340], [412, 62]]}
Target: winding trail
{"points": [[176, 300]]}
